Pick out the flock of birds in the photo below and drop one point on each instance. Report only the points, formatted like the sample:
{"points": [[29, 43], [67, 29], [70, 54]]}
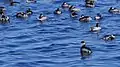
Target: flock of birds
{"points": [[85, 51]]}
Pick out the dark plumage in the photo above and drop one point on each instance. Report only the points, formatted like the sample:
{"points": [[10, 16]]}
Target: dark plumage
{"points": [[58, 11], [29, 11], [12, 3], [74, 14], [85, 18], [85, 51], [109, 37]]}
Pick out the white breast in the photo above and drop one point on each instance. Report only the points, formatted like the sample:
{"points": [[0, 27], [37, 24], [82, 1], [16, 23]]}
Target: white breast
{"points": [[76, 9], [25, 15], [41, 19], [97, 17], [59, 12], [30, 1], [86, 50], [89, 18], [96, 28], [65, 5]]}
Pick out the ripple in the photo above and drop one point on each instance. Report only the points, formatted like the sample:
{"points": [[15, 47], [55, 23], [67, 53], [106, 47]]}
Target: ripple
{"points": [[56, 42]]}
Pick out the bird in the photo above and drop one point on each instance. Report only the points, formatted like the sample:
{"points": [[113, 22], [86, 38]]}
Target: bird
{"points": [[73, 14], [31, 1], [73, 9], [114, 10], [2, 11], [98, 17], [21, 15], [90, 3], [58, 11], [65, 5], [29, 11], [4, 18], [109, 37], [85, 18], [85, 51], [12, 3], [95, 28], [42, 17]]}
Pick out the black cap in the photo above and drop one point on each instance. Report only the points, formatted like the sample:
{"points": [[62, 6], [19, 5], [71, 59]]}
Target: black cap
{"points": [[83, 41]]}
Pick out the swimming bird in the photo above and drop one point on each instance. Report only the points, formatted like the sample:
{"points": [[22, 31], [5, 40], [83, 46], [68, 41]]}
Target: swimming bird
{"points": [[31, 1], [4, 18], [12, 3], [29, 11], [90, 3], [21, 15], [85, 18], [85, 51], [2, 8], [114, 10], [109, 37], [73, 14], [95, 28], [73, 9], [65, 5], [2, 11], [42, 17], [58, 11], [98, 17]]}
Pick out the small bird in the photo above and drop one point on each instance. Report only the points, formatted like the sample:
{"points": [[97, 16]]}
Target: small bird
{"points": [[31, 1], [2, 11], [109, 37], [73, 9], [58, 11], [21, 15], [85, 51], [12, 3], [2, 8], [4, 18], [42, 17], [85, 18], [29, 11], [65, 5], [73, 14], [95, 28], [90, 3], [114, 10], [98, 17]]}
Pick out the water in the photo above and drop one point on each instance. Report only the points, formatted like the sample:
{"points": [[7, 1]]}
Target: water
{"points": [[56, 42]]}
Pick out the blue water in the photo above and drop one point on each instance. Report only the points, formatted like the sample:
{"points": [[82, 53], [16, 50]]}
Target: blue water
{"points": [[56, 42]]}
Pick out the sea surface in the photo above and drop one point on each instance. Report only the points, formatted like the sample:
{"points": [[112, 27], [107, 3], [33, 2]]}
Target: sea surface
{"points": [[56, 41]]}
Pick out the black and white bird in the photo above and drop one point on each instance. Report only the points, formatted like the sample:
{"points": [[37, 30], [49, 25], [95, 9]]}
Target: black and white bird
{"points": [[58, 11], [109, 37], [85, 18], [90, 3], [73, 9], [114, 10], [73, 14], [31, 1], [98, 17], [65, 5], [4, 18], [21, 15], [85, 51], [95, 28], [42, 17], [12, 3], [29, 11]]}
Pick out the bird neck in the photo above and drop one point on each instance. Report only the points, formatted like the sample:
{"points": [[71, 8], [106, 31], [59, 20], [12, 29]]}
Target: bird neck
{"points": [[83, 44], [97, 24]]}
